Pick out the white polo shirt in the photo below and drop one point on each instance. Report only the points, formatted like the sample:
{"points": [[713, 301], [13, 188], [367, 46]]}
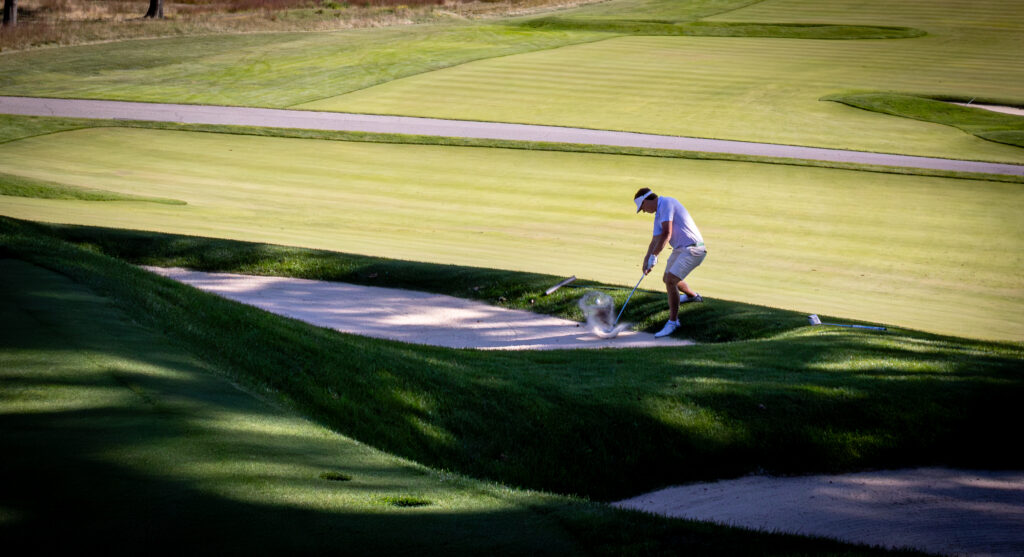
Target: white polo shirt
{"points": [[684, 230]]}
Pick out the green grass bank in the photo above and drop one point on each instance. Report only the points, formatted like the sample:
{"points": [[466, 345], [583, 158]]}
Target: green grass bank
{"points": [[119, 437], [790, 399]]}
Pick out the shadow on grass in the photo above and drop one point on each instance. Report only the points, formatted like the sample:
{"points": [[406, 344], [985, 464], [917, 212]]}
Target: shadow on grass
{"points": [[605, 424], [116, 441], [714, 321]]}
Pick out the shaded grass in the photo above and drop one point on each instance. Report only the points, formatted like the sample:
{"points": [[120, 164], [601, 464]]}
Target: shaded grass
{"points": [[725, 29], [604, 424], [116, 438], [986, 124], [17, 186], [713, 321]]}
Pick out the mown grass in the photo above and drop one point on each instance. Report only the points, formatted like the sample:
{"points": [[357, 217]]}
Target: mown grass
{"points": [[986, 124], [742, 87], [14, 127], [605, 424], [734, 87], [119, 438], [409, 202], [262, 69]]}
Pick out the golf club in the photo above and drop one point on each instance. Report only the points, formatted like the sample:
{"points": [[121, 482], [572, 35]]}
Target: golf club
{"points": [[627, 300], [815, 320], [598, 307], [552, 290]]}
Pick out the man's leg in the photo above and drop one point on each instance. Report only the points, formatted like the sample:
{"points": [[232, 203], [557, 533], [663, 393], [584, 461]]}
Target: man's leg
{"points": [[685, 289], [672, 285]]}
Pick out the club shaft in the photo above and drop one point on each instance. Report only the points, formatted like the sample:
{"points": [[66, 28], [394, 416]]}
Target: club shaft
{"points": [[627, 299]]}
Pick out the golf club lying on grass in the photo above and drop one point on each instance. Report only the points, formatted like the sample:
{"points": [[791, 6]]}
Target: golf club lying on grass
{"points": [[598, 307], [815, 320], [566, 284], [552, 290]]}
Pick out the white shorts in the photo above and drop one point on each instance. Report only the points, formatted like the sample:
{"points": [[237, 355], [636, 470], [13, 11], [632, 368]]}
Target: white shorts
{"points": [[683, 261]]}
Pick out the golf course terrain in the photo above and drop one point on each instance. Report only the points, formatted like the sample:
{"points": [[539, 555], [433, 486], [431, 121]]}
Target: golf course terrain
{"points": [[139, 410]]}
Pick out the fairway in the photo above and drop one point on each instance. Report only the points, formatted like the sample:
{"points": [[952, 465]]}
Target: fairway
{"points": [[753, 89], [831, 242]]}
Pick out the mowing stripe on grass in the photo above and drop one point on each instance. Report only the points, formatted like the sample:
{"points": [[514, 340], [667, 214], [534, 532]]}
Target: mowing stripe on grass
{"points": [[333, 121], [752, 89], [815, 240]]}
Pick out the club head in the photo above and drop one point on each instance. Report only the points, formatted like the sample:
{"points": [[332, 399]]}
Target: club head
{"points": [[814, 320], [613, 332]]}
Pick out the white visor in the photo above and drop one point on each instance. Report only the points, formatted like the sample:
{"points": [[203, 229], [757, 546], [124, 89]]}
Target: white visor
{"points": [[640, 200]]}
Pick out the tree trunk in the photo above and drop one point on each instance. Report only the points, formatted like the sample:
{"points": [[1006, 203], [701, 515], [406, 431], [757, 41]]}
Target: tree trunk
{"points": [[10, 12], [156, 9]]}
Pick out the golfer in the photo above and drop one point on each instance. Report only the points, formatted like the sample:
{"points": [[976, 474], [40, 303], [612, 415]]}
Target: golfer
{"points": [[672, 226]]}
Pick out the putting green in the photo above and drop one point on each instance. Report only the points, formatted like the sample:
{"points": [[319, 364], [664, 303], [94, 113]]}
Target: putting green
{"points": [[755, 89], [935, 254]]}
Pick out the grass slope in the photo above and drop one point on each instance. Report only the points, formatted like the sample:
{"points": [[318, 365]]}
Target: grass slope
{"points": [[986, 124], [725, 29], [761, 89], [121, 440], [16, 186], [262, 69], [745, 88], [802, 238], [605, 424]]}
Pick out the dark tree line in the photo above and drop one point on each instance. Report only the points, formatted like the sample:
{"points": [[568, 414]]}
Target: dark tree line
{"points": [[10, 12], [156, 9]]}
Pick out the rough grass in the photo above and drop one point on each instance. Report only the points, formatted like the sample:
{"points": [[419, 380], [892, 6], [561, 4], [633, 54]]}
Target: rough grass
{"points": [[986, 124], [605, 424], [16, 186], [47, 23], [725, 29], [120, 439]]}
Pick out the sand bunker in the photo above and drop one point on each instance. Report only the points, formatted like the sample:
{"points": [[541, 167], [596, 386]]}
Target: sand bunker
{"points": [[407, 316]]}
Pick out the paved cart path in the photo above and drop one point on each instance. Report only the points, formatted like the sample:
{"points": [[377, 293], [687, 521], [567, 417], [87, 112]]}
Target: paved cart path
{"points": [[339, 121], [408, 316]]}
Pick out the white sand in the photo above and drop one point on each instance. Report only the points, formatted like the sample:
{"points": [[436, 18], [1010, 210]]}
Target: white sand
{"points": [[941, 511], [407, 316]]}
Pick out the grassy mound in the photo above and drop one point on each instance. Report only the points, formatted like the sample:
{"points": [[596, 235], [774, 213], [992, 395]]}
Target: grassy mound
{"points": [[604, 424], [986, 124], [723, 29], [117, 437], [19, 186]]}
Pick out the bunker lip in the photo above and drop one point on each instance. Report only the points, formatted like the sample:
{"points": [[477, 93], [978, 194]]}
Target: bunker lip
{"points": [[936, 510], [408, 316]]}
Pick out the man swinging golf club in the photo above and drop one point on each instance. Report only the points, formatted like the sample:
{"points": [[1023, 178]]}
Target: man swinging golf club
{"points": [[673, 226]]}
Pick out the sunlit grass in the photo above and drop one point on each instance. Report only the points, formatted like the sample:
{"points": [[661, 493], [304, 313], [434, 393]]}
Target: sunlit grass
{"points": [[324, 194], [787, 399]]}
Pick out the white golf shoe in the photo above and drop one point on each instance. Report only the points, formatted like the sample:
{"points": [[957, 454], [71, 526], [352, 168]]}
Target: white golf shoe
{"points": [[684, 299], [670, 327]]}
